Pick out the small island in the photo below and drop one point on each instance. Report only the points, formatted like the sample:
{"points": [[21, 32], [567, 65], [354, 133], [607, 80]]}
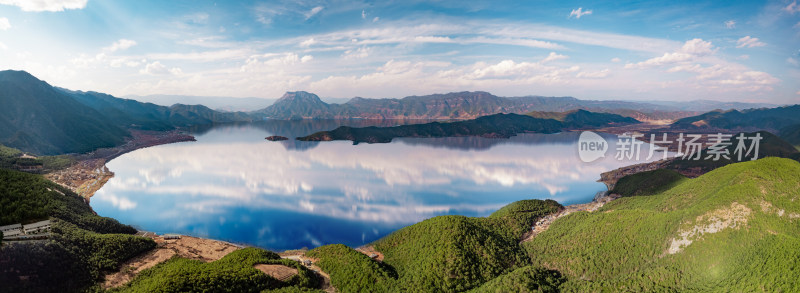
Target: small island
{"points": [[491, 126], [276, 138]]}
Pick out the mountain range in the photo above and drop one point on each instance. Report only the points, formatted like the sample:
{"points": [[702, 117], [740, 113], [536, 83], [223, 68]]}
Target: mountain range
{"points": [[39, 118], [470, 105], [226, 104]]}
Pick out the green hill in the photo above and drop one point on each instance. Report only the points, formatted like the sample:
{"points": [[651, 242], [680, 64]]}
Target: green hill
{"points": [[734, 229], [791, 134], [134, 114], [582, 118], [81, 247], [37, 118], [647, 183], [232, 273], [772, 119], [456, 253], [523, 280], [497, 125], [770, 146]]}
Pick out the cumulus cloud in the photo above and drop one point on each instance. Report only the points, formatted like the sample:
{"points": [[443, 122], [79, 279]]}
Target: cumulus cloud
{"points": [[122, 44], [692, 49], [313, 12], [710, 72], [376, 19], [553, 56], [730, 24], [616, 60], [749, 42], [577, 13], [156, 68], [4, 24], [46, 5], [307, 43]]}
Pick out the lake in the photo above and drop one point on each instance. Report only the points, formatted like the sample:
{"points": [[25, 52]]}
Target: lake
{"points": [[233, 185]]}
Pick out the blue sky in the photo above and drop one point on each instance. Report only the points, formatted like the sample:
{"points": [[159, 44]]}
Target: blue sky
{"points": [[658, 50]]}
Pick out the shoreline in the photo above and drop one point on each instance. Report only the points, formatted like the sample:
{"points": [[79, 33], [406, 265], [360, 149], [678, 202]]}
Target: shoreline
{"points": [[89, 173]]}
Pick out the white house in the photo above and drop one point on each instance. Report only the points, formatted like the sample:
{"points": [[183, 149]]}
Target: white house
{"points": [[10, 227], [38, 227]]}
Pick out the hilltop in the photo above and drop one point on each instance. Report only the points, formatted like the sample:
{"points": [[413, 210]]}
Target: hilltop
{"points": [[35, 117], [772, 119]]}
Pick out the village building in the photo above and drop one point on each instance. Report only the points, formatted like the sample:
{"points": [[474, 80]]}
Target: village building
{"points": [[38, 227]]}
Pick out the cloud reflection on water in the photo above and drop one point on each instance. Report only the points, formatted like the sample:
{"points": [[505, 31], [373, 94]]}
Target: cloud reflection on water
{"points": [[399, 183]]}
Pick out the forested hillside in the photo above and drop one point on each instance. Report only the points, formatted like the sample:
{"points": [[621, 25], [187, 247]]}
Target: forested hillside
{"points": [[734, 229]]}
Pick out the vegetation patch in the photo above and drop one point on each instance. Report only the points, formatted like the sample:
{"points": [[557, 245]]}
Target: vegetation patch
{"points": [[647, 183], [524, 280], [738, 243], [352, 271], [235, 272]]}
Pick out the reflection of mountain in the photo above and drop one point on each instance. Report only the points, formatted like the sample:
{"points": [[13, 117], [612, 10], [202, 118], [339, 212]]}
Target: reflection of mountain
{"points": [[302, 127]]}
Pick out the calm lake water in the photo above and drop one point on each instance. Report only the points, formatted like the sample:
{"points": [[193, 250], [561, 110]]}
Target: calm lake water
{"points": [[232, 184]]}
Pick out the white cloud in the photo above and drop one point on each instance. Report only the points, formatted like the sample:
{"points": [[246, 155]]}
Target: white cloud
{"points": [[313, 12], [156, 68], [792, 61], [307, 43], [792, 8], [730, 24], [577, 13], [122, 203], [593, 74], [306, 58], [46, 5], [122, 44], [749, 42], [3, 46], [710, 73], [616, 60], [691, 50], [376, 19], [363, 14], [207, 56], [4, 24], [359, 53], [743, 57], [553, 56]]}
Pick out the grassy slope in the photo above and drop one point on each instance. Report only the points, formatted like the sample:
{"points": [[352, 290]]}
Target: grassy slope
{"points": [[623, 246]]}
